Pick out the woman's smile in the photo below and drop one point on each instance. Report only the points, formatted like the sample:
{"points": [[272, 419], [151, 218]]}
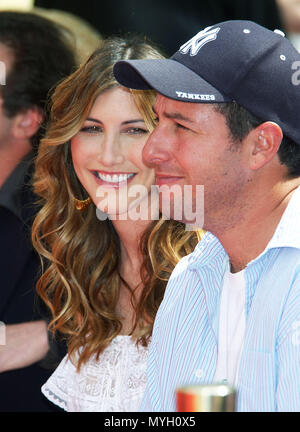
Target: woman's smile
{"points": [[113, 179]]}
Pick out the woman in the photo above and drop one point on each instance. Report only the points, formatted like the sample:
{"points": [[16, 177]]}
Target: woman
{"points": [[106, 275]]}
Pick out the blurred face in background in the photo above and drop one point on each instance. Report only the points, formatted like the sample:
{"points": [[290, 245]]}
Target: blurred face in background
{"points": [[5, 122], [290, 15]]}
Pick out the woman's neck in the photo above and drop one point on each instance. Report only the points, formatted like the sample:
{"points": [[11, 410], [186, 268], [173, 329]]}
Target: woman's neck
{"points": [[130, 233]]}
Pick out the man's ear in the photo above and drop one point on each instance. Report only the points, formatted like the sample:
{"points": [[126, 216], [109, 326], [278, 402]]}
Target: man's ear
{"points": [[26, 123], [265, 142]]}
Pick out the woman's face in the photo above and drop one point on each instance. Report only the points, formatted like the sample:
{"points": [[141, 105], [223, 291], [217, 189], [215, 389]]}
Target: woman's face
{"points": [[107, 154]]}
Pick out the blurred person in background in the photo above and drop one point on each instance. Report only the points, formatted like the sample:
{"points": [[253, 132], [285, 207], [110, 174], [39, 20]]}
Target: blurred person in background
{"points": [[36, 55], [81, 34], [290, 17]]}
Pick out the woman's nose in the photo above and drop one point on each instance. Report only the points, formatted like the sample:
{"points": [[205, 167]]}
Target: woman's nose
{"points": [[111, 152]]}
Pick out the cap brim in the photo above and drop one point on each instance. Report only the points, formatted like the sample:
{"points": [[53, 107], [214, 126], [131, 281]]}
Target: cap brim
{"points": [[168, 77]]}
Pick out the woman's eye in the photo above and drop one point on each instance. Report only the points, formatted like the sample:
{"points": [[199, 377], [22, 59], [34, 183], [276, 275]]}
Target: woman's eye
{"points": [[91, 129], [136, 131]]}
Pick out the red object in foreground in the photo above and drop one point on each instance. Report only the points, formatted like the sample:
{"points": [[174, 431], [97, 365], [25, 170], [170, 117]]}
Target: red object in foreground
{"points": [[205, 398]]}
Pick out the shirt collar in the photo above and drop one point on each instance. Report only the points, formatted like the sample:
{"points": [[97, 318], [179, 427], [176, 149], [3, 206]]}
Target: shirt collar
{"points": [[287, 233], [10, 192], [207, 251]]}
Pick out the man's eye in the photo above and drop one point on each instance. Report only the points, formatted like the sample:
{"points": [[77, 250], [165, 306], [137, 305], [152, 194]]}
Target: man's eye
{"points": [[91, 129], [180, 126]]}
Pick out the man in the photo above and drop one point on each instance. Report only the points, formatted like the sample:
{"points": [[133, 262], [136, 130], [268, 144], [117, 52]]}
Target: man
{"points": [[36, 56], [228, 118]]}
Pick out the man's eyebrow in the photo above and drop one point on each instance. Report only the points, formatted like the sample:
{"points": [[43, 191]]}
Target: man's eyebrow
{"points": [[175, 116], [178, 116]]}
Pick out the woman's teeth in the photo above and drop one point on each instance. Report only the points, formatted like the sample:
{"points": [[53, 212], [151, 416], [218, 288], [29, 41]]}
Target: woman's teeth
{"points": [[114, 178]]}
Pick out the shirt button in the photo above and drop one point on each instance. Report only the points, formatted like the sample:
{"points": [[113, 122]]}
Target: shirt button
{"points": [[199, 373]]}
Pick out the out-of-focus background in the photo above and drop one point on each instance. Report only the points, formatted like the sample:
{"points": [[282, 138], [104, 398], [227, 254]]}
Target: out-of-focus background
{"points": [[169, 23], [16, 4], [29, 51]]}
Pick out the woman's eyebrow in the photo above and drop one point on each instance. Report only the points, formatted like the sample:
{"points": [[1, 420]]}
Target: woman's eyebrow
{"points": [[133, 121], [123, 123], [93, 120]]}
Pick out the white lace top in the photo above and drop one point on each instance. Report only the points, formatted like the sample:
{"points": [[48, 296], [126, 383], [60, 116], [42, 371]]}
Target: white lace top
{"points": [[116, 382]]}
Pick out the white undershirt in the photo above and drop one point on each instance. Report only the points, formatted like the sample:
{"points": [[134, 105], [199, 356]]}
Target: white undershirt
{"points": [[231, 327]]}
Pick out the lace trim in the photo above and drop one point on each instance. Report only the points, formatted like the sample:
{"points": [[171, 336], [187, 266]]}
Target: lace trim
{"points": [[54, 398]]}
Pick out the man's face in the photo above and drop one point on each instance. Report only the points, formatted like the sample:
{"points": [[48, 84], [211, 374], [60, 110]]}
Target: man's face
{"points": [[191, 145], [5, 122]]}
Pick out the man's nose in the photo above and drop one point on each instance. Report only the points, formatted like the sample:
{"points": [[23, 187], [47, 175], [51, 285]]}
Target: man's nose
{"points": [[157, 148]]}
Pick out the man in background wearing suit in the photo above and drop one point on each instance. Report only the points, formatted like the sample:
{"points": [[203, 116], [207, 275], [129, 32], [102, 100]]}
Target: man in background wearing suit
{"points": [[34, 55]]}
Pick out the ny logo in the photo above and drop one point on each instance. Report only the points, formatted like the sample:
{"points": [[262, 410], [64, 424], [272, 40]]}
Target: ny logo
{"points": [[198, 41]]}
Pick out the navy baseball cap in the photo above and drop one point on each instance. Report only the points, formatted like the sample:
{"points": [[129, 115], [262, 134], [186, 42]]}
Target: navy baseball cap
{"points": [[231, 61]]}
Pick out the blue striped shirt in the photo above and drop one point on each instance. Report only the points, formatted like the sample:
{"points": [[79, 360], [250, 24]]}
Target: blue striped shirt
{"points": [[185, 337]]}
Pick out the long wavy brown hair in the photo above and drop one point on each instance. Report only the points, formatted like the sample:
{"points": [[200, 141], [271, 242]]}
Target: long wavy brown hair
{"points": [[81, 254]]}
